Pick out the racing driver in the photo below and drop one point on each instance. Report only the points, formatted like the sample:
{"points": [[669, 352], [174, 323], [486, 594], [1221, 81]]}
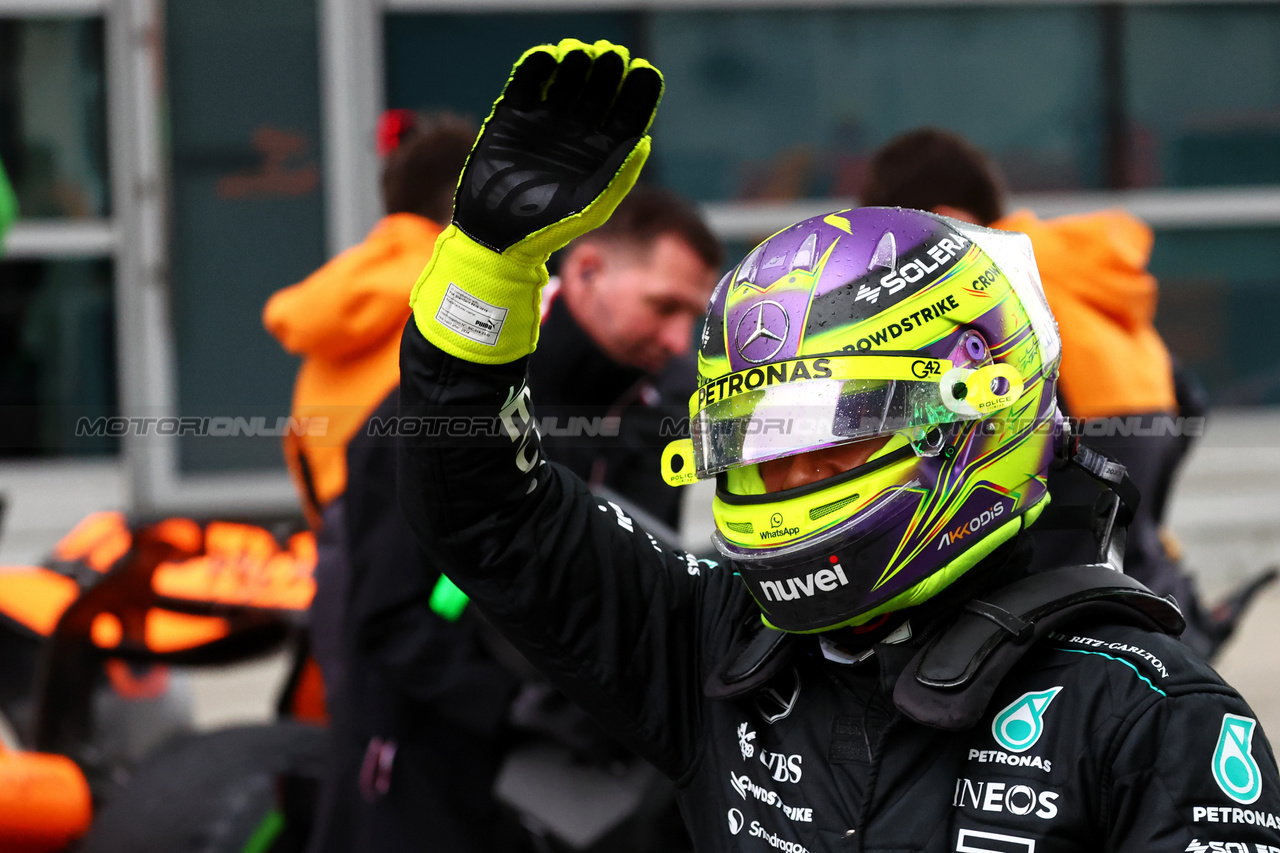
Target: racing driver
{"points": [[870, 665]]}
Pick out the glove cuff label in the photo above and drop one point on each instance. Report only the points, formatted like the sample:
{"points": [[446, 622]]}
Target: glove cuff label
{"points": [[470, 316]]}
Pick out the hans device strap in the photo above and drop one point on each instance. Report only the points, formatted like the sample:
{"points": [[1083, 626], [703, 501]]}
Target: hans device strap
{"points": [[950, 681], [753, 661]]}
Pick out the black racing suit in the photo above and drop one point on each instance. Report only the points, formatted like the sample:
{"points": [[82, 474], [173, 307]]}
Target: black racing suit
{"points": [[1105, 737]]}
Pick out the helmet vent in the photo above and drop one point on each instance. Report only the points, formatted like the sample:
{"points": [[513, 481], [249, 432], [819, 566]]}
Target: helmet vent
{"points": [[806, 254], [740, 526], [826, 509], [750, 267], [886, 253]]}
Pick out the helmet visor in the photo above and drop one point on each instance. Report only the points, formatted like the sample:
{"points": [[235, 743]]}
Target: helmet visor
{"points": [[805, 404]]}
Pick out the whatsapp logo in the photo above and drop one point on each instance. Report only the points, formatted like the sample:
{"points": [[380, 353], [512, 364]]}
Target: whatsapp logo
{"points": [[1019, 726], [1234, 769]]}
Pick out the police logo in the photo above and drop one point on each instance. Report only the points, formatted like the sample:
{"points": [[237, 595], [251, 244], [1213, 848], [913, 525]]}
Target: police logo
{"points": [[762, 331]]}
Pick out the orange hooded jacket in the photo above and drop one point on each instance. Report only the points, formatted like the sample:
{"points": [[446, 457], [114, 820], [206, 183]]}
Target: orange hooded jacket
{"points": [[345, 321], [1094, 270]]}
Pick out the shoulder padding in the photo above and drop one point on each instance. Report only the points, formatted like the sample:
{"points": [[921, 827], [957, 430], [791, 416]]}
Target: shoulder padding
{"points": [[950, 681]]}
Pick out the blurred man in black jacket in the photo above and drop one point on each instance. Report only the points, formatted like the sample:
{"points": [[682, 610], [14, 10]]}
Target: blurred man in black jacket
{"points": [[617, 338]]}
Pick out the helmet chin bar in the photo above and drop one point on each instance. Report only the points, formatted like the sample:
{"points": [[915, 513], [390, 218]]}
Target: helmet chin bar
{"points": [[822, 583], [841, 586], [821, 589], [1109, 517]]}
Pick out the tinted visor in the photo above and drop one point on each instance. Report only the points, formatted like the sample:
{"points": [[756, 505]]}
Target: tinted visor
{"points": [[806, 404]]}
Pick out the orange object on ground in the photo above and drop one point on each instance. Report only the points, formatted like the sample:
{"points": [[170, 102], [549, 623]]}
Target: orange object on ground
{"points": [[345, 320], [234, 564], [182, 533], [44, 802], [1094, 270], [36, 598], [164, 631]]}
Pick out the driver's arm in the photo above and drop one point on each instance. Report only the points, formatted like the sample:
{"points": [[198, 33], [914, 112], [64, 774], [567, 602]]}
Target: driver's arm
{"points": [[619, 623]]}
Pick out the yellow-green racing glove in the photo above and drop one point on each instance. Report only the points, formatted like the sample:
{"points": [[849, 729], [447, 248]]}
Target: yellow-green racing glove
{"points": [[563, 145]]}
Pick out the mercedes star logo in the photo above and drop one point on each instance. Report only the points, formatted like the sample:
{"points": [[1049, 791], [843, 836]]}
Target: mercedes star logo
{"points": [[769, 316]]}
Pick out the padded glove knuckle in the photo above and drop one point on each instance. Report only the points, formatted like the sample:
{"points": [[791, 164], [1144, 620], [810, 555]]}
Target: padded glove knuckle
{"points": [[571, 116]]}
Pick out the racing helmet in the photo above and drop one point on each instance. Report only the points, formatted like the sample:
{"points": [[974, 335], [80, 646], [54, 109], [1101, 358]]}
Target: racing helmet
{"points": [[931, 332]]}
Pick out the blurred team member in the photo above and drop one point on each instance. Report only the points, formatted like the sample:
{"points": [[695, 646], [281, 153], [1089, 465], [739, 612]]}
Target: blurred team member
{"points": [[426, 715], [427, 711], [419, 701], [1116, 372], [617, 337]]}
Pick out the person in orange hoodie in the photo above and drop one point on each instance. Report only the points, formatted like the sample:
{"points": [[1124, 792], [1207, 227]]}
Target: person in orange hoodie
{"points": [[345, 321], [1116, 372]]}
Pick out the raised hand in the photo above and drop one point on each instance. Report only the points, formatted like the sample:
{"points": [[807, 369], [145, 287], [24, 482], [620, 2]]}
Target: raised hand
{"points": [[564, 142]]}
